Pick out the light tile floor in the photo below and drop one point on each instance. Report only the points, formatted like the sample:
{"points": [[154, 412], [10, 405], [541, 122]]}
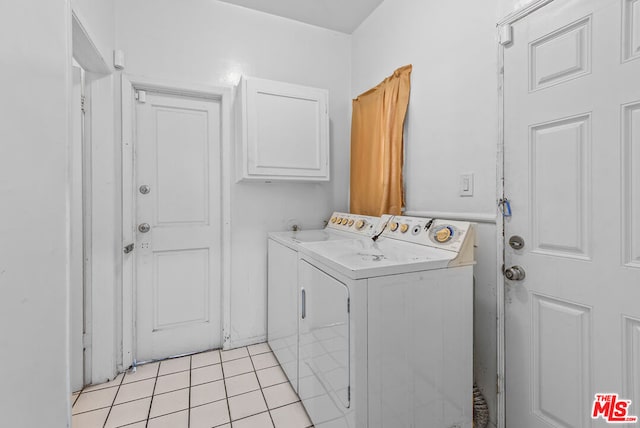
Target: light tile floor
{"points": [[240, 388]]}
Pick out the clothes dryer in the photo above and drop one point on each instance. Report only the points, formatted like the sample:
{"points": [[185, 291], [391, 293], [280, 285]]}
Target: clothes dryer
{"points": [[283, 290]]}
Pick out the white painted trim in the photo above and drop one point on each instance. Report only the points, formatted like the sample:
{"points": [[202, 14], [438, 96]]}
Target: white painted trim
{"points": [[105, 267], [87, 223], [85, 52], [225, 94], [500, 334], [473, 217], [523, 12], [128, 235], [245, 342], [68, 56], [500, 291]]}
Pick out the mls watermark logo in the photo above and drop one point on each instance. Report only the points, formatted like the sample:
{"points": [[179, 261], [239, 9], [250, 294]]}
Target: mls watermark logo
{"points": [[612, 409]]}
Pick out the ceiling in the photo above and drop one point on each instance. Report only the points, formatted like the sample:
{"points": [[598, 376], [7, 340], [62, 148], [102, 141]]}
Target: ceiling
{"points": [[339, 15]]}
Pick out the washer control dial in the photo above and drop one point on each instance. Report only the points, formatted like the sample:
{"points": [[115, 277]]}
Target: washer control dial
{"points": [[404, 228], [344, 221], [443, 234], [351, 222], [394, 226], [360, 224], [334, 219]]}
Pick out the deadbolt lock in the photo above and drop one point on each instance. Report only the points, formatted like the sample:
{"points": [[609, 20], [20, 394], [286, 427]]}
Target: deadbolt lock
{"points": [[516, 242]]}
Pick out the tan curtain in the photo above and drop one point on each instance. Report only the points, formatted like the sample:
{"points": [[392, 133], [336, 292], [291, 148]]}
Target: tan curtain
{"points": [[377, 148]]}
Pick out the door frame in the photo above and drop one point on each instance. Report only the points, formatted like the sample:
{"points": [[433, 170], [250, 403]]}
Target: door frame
{"points": [[88, 56], [504, 34], [129, 85]]}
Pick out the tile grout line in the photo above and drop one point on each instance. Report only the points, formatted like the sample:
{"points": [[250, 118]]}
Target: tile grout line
{"points": [[75, 400], [262, 392], [189, 402], [152, 394], [224, 382], [112, 402], [190, 369]]}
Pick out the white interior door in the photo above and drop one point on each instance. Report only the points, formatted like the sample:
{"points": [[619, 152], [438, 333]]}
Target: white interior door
{"points": [[572, 174], [178, 258]]}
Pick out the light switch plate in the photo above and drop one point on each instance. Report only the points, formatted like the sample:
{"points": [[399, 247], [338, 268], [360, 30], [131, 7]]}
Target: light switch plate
{"points": [[466, 184]]}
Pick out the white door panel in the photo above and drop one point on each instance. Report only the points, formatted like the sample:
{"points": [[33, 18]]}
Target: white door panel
{"points": [[178, 259], [572, 139]]}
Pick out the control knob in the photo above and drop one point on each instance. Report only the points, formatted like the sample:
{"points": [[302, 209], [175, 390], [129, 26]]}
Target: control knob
{"points": [[443, 234], [360, 224], [404, 228], [394, 226]]}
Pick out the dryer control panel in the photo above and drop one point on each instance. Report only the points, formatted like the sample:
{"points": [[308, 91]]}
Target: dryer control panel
{"points": [[355, 223], [437, 233]]}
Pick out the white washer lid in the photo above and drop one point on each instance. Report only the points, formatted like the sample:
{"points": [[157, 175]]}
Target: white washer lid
{"points": [[365, 258]]}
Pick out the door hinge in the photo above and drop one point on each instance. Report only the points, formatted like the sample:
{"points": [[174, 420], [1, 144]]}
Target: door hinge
{"points": [[86, 340], [141, 96]]}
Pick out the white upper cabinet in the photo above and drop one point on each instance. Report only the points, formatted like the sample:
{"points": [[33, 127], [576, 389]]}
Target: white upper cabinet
{"points": [[283, 131]]}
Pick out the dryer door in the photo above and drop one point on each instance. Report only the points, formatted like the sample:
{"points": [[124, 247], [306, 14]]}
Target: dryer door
{"points": [[324, 344]]}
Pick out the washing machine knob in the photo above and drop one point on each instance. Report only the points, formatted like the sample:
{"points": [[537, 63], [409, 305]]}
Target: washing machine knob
{"points": [[351, 222], [444, 234], [344, 221], [404, 228], [334, 219], [360, 224], [394, 226]]}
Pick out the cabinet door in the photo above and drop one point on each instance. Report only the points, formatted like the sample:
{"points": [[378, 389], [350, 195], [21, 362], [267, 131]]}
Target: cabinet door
{"points": [[324, 345], [282, 308], [285, 131]]}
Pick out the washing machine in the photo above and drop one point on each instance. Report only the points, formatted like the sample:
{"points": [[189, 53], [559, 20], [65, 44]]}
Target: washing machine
{"points": [[385, 335], [282, 282]]}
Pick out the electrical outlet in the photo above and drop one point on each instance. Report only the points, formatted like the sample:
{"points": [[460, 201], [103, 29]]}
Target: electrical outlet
{"points": [[466, 184]]}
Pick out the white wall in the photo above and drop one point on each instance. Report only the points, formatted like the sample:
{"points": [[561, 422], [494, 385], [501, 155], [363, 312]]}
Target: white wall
{"points": [[34, 255], [212, 43], [451, 127]]}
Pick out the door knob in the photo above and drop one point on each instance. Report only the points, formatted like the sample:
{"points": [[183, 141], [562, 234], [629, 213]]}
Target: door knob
{"points": [[144, 227], [514, 273]]}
